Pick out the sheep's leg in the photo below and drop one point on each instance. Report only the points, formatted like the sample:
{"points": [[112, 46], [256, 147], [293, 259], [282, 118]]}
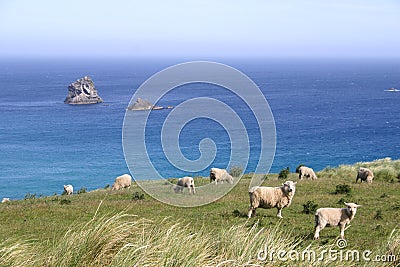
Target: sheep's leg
{"points": [[319, 225], [193, 190], [342, 226], [252, 212], [317, 230], [249, 213], [279, 214]]}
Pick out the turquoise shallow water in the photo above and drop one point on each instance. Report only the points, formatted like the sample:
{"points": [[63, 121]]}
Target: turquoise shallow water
{"points": [[326, 113]]}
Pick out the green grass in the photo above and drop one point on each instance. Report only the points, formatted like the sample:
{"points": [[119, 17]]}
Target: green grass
{"points": [[128, 227]]}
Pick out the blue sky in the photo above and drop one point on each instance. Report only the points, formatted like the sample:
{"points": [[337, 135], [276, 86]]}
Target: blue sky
{"points": [[292, 28]]}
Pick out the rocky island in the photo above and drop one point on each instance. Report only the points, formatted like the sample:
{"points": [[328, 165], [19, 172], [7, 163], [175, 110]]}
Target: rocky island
{"points": [[82, 92], [142, 104]]}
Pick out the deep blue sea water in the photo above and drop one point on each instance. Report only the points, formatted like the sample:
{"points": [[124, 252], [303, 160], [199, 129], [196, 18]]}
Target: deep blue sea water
{"points": [[327, 112]]}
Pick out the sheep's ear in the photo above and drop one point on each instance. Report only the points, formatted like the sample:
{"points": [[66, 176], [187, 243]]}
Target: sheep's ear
{"points": [[295, 183], [358, 206], [346, 203]]}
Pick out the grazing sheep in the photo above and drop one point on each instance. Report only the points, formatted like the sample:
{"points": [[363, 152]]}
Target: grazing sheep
{"points": [[122, 181], [271, 197], [307, 172], [185, 182], [334, 217], [365, 174], [68, 189], [5, 199], [220, 175]]}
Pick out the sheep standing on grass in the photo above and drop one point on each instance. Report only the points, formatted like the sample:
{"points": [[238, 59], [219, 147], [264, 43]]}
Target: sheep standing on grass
{"points": [[5, 200], [68, 189], [334, 217], [122, 181], [365, 174], [220, 175], [271, 197], [185, 182], [306, 172]]}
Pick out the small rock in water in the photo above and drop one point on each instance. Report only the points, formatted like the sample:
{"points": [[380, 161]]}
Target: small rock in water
{"points": [[82, 92], [142, 104]]}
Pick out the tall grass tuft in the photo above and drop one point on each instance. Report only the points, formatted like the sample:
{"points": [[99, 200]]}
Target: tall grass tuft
{"points": [[124, 240], [16, 253]]}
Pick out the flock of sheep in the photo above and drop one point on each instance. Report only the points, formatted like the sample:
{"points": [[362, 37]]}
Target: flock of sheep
{"points": [[282, 196], [265, 197]]}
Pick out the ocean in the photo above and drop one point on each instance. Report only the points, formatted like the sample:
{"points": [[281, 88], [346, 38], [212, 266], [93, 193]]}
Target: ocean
{"points": [[326, 112]]}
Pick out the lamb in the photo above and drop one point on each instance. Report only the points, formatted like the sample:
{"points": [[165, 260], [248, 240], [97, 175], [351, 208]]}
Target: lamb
{"points": [[307, 172], [5, 199], [185, 182], [334, 217], [220, 175], [271, 197], [122, 181], [68, 189], [365, 174]]}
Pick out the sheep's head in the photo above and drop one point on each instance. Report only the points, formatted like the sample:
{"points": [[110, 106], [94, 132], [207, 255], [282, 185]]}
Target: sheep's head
{"points": [[212, 176], [177, 188], [115, 186], [352, 207], [289, 186]]}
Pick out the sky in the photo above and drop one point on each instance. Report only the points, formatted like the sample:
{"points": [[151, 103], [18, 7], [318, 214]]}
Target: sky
{"points": [[154, 28]]}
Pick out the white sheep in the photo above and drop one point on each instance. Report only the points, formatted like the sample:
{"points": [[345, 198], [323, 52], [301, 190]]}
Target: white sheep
{"points": [[365, 174], [334, 217], [220, 175], [5, 199], [307, 172], [68, 189], [122, 181], [271, 197], [185, 182]]}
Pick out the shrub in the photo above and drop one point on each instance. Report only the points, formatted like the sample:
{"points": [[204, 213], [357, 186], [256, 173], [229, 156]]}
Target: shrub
{"points": [[309, 207], [30, 196], [138, 196], [237, 213], [343, 189], [378, 215], [65, 201], [283, 174], [82, 190], [342, 200], [298, 167], [236, 171], [388, 175], [396, 206]]}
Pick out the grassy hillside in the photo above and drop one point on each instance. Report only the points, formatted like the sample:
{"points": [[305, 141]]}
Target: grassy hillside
{"points": [[127, 227]]}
